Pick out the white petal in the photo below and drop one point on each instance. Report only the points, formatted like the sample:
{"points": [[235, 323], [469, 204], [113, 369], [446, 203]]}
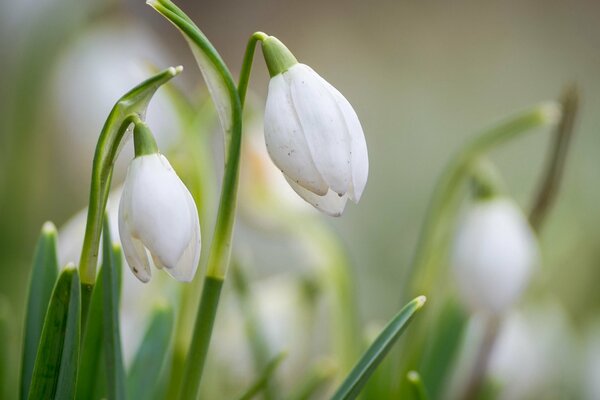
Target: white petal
{"points": [[185, 269], [133, 249], [160, 216], [358, 146], [332, 203], [323, 125], [494, 255], [285, 140]]}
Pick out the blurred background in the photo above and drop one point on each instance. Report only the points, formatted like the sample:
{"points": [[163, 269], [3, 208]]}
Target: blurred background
{"points": [[422, 76]]}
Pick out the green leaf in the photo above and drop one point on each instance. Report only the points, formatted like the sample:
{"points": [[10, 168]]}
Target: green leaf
{"points": [[43, 277], [211, 65], [147, 377], [443, 343], [55, 370], [115, 372], [92, 374], [91, 381], [363, 370], [263, 380]]}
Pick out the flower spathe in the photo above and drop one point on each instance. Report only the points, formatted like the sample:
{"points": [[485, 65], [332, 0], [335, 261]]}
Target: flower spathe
{"points": [[158, 220], [314, 137], [495, 252]]}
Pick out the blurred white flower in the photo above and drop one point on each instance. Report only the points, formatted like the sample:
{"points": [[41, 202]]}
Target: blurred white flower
{"points": [[158, 218], [495, 252], [314, 136], [534, 354]]}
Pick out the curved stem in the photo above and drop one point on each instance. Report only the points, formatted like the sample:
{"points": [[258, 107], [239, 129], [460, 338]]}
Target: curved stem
{"points": [[247, 64]]}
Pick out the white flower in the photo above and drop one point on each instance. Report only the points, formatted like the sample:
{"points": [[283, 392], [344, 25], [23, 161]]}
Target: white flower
{"points": [[158, 220], [314, 136], [494, 255]]}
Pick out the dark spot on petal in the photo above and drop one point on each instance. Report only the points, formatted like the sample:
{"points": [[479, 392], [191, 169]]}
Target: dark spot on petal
{"points": [[135, 270]]}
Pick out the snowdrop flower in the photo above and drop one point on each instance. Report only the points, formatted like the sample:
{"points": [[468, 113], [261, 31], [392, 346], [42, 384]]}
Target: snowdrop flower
{"points": [[494, 254], [158, 219], [312, 133]]}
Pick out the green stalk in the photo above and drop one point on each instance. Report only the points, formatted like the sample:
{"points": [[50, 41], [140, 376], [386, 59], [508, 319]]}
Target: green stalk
{"points": [[229, 109], [247, 64], [190, 388]]}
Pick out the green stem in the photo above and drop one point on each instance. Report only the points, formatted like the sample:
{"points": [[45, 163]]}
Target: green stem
{"points": [[247, 64], [190, 389], [221, 85], [445, 198]]}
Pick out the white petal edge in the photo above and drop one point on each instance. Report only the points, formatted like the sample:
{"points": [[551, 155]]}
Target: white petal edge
{"points": [[187, 265], [331, 204], [133, 249], [358, 146]]}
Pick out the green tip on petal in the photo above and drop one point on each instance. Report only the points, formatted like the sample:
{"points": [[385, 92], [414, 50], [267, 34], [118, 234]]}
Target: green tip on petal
{"points": [[277, 57]]}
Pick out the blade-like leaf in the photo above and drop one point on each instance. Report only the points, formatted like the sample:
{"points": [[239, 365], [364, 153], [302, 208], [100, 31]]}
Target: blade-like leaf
{"points": [[55, 370], [147, 375], [43, 277], [115, 372], [92, 374], [208, 59], [363, 370]]}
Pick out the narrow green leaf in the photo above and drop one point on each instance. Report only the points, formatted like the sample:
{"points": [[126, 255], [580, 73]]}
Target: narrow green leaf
{"points": [[55, 370], [91, 381], [146, 377], [263, 380], [92, 360], [115, 372], [443, 343], [365, 367], [43, 277]]}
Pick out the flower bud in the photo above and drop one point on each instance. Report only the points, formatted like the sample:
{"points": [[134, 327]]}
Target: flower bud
{"points": [[313, 134], [158, 220], [494, 254]]}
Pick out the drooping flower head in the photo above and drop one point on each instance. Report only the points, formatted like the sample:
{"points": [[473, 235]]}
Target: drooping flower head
{"points": [[495, 252], [312, 133], [158, 220]]}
